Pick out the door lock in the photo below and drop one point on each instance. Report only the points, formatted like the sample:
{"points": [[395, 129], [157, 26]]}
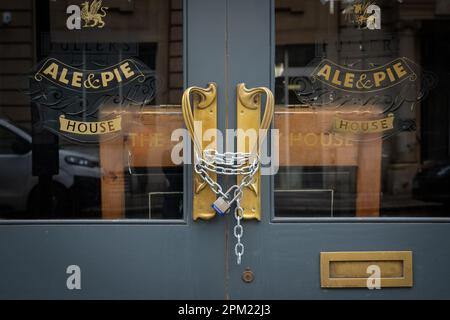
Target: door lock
{"points": [[209, 196], [221, 206]]}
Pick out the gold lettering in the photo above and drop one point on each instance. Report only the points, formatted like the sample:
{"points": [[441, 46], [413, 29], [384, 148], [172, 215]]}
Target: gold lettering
{"points": [[336, 80], [52, 70], [133, 135], [390, 74], [343, 124], [354, 126], [87, 128], [399, 70], [117, 74], [329, 140], [295, 139], [70, 125], [339, 141], [62, 77], [107, 76], [310, 142], [158, 139], [348, 80], [111, 126], [127, 72], [325, 72], [372, 126], [76, 79], [379, 77], [82, 127]]}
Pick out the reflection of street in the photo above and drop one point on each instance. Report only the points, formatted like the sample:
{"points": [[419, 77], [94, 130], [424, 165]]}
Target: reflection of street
{"points": [[154, 193], [73, 192], [322, 203], [406, 206]]}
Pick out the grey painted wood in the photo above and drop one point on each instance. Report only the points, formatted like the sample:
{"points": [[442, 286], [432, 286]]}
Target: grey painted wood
{"points": [[227, 42], [134, 260], [116, 261], [285, 256], [285, 259]]}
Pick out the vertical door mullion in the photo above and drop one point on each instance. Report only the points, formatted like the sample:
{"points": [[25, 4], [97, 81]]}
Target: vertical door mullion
{"points": [[250, 60]]}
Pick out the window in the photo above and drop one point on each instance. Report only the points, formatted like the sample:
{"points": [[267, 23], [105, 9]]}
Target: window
{"points": [[12, 144], [101, 103], [362, 109]]}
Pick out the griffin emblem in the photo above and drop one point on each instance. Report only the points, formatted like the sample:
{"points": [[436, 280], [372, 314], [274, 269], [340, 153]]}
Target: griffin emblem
{"points": [[357, 14], [91, 16]]}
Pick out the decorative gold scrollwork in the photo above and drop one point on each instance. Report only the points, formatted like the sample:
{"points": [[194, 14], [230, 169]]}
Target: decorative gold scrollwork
{"points": [[248, 117], [203, 114]]}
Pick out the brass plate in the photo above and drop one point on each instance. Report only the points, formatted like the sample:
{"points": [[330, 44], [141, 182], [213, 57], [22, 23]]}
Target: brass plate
{"points": [[349, 269], [205, 111], [248, 117]]}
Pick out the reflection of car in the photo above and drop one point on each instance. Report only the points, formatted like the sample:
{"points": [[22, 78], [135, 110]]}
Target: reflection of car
{"points": [[19, 189], [432, 183]]}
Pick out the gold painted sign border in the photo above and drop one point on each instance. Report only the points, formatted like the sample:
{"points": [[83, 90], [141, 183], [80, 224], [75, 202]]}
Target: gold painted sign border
{"points": [[404, 279]]}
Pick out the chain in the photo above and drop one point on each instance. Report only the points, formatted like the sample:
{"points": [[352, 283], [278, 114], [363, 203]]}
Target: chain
{"points": [[241, 164], [238, 231], [229, 163], [219, 164]]}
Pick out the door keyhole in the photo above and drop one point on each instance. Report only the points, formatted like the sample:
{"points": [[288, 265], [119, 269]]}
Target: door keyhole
{"points": [[248, 276]]}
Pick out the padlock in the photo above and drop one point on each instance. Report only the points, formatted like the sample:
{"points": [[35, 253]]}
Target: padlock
{"points": [[221, 206]]}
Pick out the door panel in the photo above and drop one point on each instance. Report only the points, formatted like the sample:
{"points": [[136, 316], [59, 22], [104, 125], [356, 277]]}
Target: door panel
{"points": [[284, 252], [117, 261], [286, 264], [135, 258]]}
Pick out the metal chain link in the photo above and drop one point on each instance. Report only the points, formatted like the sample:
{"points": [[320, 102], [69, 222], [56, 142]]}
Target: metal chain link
{"points": [[238, 230], [229, 163]]}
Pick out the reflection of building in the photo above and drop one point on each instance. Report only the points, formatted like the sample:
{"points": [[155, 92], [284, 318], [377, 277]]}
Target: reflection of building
{"points": [[22, 45], [150, 32], [306, 30]]}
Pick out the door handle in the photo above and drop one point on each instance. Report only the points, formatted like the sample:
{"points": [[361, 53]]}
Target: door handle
{"points": [[248, 117], [199, 118]]}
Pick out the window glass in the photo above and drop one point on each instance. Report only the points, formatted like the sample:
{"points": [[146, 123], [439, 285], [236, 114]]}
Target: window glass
{"points": [[98, 85], [362, 107], [11, 143]]}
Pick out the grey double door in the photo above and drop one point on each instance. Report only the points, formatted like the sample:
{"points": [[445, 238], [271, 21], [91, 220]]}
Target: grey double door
{"points": [[231, 42]]}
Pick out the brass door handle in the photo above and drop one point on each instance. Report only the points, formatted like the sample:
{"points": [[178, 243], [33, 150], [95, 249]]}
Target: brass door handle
{"points": [[204, 110], [248, 117], [202, 114]]}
